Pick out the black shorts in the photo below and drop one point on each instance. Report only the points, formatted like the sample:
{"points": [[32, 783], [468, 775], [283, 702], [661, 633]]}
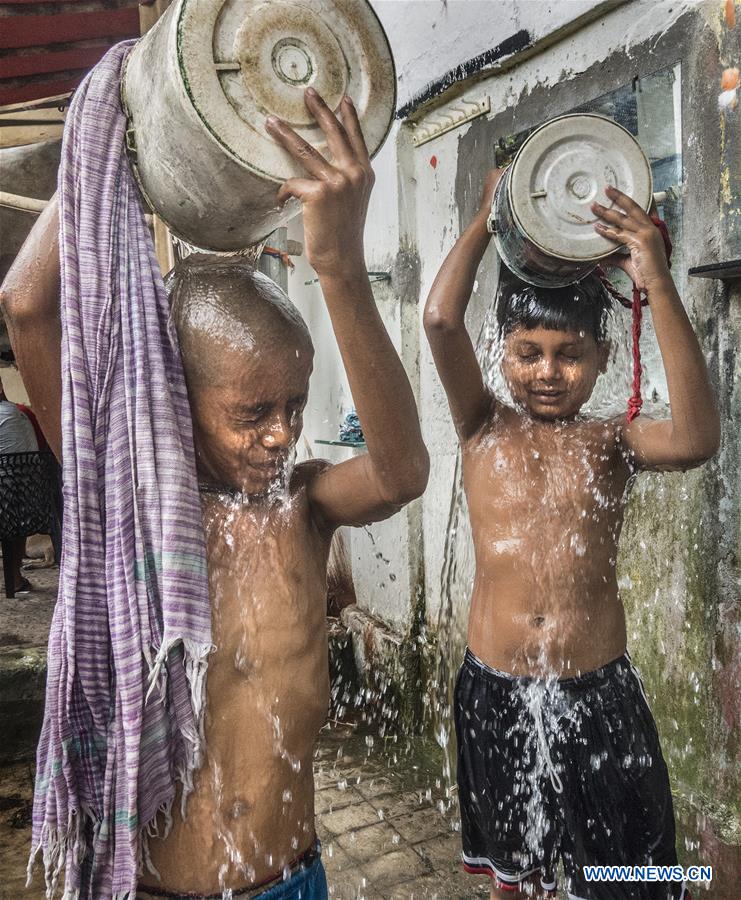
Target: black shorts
{"points": [[568, 770]]}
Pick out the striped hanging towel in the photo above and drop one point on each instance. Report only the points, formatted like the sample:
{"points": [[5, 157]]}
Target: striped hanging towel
{"points": [[132, 628]]}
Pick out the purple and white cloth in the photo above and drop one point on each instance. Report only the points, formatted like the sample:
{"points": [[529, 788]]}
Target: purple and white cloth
{"points": [[132, 628]]}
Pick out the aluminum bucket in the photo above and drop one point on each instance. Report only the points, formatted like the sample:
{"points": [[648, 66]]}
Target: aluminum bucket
{"points": [[198, 87], [541, 214]]}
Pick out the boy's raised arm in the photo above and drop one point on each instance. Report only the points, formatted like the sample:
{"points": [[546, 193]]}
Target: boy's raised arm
{"points": [[335, 199], [692, 434], [445, 325], [29, 298]]}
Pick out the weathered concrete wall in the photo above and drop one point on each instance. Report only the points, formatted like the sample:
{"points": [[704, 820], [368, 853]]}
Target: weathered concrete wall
{"points": [[432, 37]]}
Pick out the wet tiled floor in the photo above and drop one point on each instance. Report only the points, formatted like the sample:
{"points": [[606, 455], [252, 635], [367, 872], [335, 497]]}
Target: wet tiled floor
{"points": [[386, 821]]}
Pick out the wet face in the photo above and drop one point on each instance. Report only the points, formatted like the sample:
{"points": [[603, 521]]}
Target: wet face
{"points": [[552, 374], [246, 424]]}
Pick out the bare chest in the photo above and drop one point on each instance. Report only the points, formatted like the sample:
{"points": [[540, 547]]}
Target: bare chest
{"points": [[267, 581], [525, 487]]}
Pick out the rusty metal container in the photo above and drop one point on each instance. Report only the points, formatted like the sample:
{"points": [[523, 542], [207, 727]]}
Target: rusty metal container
{"points": [[198, 87], [541, 214]]}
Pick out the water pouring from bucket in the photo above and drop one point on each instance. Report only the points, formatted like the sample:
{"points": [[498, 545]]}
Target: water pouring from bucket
{"points": [[542, 215], [199, 86]]}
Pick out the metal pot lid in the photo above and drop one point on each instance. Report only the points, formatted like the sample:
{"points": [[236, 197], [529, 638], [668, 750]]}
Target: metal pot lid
{"points": [[561, 169], [243, 60]]}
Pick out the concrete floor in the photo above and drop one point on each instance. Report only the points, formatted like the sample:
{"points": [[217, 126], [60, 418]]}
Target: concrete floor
{"points": [[387, 823]]}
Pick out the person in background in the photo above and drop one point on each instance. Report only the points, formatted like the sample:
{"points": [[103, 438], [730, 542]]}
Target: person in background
{"points": [[56, 485], [17, 435], [31, 416]]}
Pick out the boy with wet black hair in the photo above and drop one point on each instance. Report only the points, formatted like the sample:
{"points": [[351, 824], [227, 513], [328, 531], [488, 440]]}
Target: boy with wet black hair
{"points": [[584, 306], [558, 755]]}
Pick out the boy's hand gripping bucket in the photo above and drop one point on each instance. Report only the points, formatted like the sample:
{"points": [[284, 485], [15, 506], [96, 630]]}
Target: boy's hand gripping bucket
{"points": [[198, 87], [541, 214]]}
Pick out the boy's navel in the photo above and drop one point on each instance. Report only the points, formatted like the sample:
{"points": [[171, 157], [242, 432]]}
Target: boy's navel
{"points": [[238, 809]]}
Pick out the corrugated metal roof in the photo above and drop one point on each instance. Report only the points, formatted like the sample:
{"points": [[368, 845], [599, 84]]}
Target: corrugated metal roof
{"points": [[47, 48]]}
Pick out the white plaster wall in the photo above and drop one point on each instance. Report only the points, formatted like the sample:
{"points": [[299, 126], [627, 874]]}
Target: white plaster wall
{"points": [[382, 234], [414, 204], [430, 37]]}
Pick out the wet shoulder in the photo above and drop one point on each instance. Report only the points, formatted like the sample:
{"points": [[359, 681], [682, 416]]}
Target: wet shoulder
{"points": [[600, 440], [511, 437], [304, 473], [501, 421]]}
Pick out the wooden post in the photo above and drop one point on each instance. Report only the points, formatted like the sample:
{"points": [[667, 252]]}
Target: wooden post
{"points": [[272, 266], [149, 13]]}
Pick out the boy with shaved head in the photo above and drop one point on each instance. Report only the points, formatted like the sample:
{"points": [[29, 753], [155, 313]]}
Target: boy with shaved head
{"points": [[247, 356], [244, 347]]}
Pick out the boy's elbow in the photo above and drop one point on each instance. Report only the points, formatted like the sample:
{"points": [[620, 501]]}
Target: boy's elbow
{"points": [[705, 453], [435, 321], [687, 462], [13, 311], [411, 485], [707, 444], [6, 303], [420, 476], [400, 495], [696, 443], [15, 308], [700, 452]]}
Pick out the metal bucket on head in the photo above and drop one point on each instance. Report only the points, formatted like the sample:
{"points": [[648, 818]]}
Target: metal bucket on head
{"points": [[541, 214], [198, 87]]}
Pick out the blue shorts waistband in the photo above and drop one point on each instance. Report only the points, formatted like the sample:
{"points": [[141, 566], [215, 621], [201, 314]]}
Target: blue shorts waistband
{"points": [[301, 868]]}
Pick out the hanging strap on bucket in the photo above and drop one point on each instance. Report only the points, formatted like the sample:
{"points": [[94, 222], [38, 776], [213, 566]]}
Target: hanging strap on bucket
{"points": [[636, 305]]}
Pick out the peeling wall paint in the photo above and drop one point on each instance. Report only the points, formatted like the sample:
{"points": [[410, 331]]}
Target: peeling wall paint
{"points": [[433, 37]]}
